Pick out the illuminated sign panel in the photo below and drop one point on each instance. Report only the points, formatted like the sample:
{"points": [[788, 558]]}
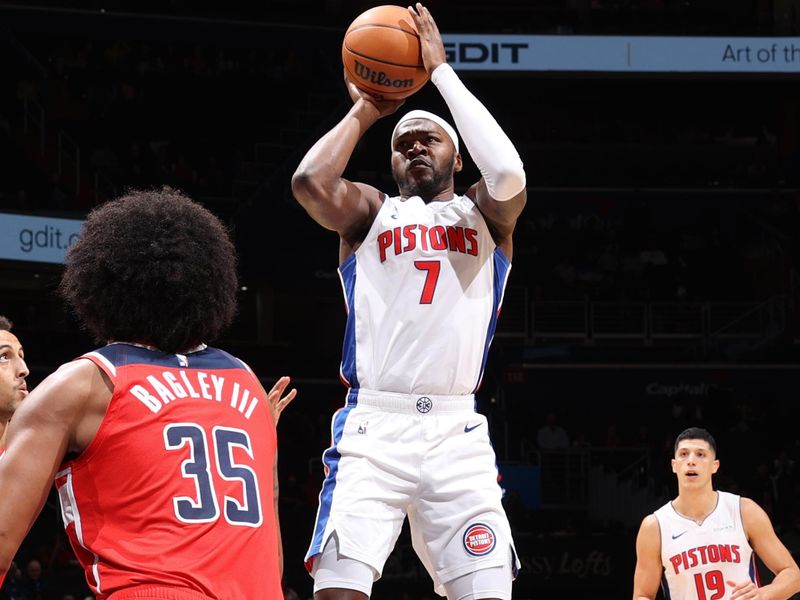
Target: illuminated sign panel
{"points": [[619, 54], [37, 239]]}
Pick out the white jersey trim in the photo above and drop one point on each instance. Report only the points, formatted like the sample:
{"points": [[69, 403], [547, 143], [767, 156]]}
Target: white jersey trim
{"points": [[107, 363], [71, 514]]}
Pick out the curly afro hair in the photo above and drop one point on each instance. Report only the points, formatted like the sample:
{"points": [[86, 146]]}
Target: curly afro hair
{"points": [[152, 267]]}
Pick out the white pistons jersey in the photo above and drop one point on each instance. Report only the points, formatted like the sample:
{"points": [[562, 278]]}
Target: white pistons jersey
{"points": [[423, 293], [699, 559]]}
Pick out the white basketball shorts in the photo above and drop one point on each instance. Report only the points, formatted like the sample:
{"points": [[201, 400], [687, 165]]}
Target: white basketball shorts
{"points": [[428, 457]]}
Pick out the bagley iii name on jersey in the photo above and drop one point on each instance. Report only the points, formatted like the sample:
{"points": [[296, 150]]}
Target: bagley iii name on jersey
{"points": [[195, 385]]}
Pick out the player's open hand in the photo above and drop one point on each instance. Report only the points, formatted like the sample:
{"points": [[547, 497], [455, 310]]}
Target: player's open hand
{"points": [[277, 401], [432, 47], [746, 590]]}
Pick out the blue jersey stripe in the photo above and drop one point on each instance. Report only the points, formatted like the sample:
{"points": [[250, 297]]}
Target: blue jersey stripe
{"points": [[502, 267], [347, 272], [753, 570], [331, 459]]}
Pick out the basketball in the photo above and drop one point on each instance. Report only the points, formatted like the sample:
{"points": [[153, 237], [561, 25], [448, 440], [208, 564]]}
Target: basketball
{"points": [[381, 53]]}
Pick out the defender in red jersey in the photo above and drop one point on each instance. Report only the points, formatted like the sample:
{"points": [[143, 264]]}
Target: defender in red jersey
{"points": [[163, 449], [13, 372]]}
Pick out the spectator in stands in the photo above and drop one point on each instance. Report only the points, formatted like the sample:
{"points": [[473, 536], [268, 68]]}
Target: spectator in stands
{"points": [[34, 584], [551, 436], [762, 487], [12, 587], [580, 440], [611, 437]]}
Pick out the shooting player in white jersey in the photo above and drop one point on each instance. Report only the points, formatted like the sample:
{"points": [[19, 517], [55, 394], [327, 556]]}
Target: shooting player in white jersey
{"points": [[423, 275], [701, 545]]}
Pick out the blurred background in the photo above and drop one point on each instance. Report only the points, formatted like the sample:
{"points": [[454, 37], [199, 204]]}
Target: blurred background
{"points": [[656, 272]]}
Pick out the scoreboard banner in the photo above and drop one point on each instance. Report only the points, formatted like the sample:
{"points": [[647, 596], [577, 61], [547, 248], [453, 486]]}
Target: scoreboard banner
{"points": [[623, 54]]}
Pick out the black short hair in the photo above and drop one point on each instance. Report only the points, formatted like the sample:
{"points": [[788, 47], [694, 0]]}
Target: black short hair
{"points": [[696, 433], [153, 267], [5, 324]]}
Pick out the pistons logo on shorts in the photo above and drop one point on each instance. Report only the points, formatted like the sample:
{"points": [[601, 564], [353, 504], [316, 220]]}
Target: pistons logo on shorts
{"points": [[479, 540]]}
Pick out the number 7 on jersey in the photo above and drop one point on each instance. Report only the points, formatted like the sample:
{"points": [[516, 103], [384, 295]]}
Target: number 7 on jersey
{"points": [[431, 268]]}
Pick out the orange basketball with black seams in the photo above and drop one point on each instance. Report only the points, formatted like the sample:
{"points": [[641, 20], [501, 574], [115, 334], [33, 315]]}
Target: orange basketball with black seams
{"points": [[381, 53]]}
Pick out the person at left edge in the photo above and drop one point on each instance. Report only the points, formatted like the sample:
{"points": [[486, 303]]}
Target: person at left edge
{"points": [[163, 449], [13, 372], [13, 390]]}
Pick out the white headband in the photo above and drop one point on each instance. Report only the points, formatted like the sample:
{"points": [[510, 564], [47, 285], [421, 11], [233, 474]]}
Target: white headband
{"points": [[424, 114]]}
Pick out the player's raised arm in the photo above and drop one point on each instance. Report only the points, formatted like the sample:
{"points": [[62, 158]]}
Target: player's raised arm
{"points": [[501, 192], [772, 552], [332, 201], [647, 577]]}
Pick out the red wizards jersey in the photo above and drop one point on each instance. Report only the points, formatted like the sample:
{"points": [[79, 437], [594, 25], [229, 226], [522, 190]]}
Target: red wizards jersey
{"points": [[176, 489]]}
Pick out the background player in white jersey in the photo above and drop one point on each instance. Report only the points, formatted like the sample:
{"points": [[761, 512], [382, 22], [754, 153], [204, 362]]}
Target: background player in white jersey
{"points": [[700, 545], [13, 372], [423, 275]]}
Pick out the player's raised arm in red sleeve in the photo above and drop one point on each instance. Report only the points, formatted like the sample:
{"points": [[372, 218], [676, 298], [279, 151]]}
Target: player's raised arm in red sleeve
{"points": [[332, 201], [647, 577], [43, 429], [772, 552]]}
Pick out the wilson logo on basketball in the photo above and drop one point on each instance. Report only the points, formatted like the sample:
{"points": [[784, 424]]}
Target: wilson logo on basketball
{"points": [[380, 78], [479, 540]]}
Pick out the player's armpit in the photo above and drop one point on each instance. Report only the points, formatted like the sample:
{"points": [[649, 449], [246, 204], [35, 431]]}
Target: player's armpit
{"points": [[501, 217]]}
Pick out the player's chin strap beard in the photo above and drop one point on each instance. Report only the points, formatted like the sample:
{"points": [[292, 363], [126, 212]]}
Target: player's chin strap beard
{"points": [[427, 188], [424, 189]]}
